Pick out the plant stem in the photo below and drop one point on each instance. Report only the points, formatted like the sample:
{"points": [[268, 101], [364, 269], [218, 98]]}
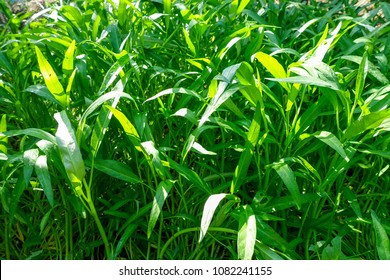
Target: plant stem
{"points": [[101, 229]]}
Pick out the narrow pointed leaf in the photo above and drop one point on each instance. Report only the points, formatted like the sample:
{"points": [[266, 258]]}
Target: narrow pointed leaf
{"points": [[273, 66], [69, 149], [382, 239], [287, 175], [366, 122], [117, 170], [246, 238], [43, 175], [51, 79], [162, 192], [332, 141], [67, 63], [208, 213]]}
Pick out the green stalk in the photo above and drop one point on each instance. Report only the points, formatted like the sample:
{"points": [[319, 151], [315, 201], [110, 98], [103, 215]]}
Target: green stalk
{"points": [[101, 229], [92, 210]]}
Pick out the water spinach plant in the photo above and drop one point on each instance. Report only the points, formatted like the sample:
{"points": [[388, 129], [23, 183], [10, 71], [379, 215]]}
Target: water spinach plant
{"points": [[235, 129]]}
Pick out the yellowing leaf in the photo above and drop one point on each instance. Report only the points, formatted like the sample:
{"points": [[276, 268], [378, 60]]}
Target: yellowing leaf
{"points": [[51, 79]]}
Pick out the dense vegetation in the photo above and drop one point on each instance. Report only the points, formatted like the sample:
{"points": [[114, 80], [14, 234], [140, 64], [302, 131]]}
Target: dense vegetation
{"points": [[195, 130]]}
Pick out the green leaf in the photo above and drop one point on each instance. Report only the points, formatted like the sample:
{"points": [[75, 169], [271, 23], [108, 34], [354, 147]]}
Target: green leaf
{"points": [[269, 236], [201, 150], [69, 149], [353, 201], [162, 192], [34, 132], [332, 141], [373, 70], [382, 239], [117, 170], [95, 105], [112, 73], [208, 212], [100, 127], [42, 91], [153, 156], [51, 79], [190, 45], [285, 202], [366, 122], [126, 235], [4, 63], [309, 80], [246, 156], [361, 77], [43, 175], [333, 252], [246, 238], [3, 139], [173, 91], [288, 178], [266, 252], [128, 127], [273, 66], [191, 176], [67, 63], [241, 7]]}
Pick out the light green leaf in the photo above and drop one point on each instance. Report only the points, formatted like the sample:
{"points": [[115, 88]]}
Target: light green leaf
{"points": [[208, 212], [274, 67], [3, 139], [309, 80], [51, 79], [153, 155], [361, 77], [372, 68], [162, 192], [67, 63], [173, 91], [112, 73], [190, 45], [366, 122], [201, 150], [186, 113], [332, 141], [95, 105], [246, 238], [128, 127], [69, 149]]}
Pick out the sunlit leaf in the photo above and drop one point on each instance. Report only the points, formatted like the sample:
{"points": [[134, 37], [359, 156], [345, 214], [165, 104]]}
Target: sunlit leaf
{"points": [[208, 213], [246, 238], [162, 192]]}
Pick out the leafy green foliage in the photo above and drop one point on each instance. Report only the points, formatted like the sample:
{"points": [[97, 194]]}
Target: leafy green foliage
{"points": [[195, 130]]}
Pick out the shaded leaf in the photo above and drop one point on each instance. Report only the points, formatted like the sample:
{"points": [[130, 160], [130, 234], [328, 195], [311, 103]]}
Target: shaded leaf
{"points": [[43, 175], [382, 239]]}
